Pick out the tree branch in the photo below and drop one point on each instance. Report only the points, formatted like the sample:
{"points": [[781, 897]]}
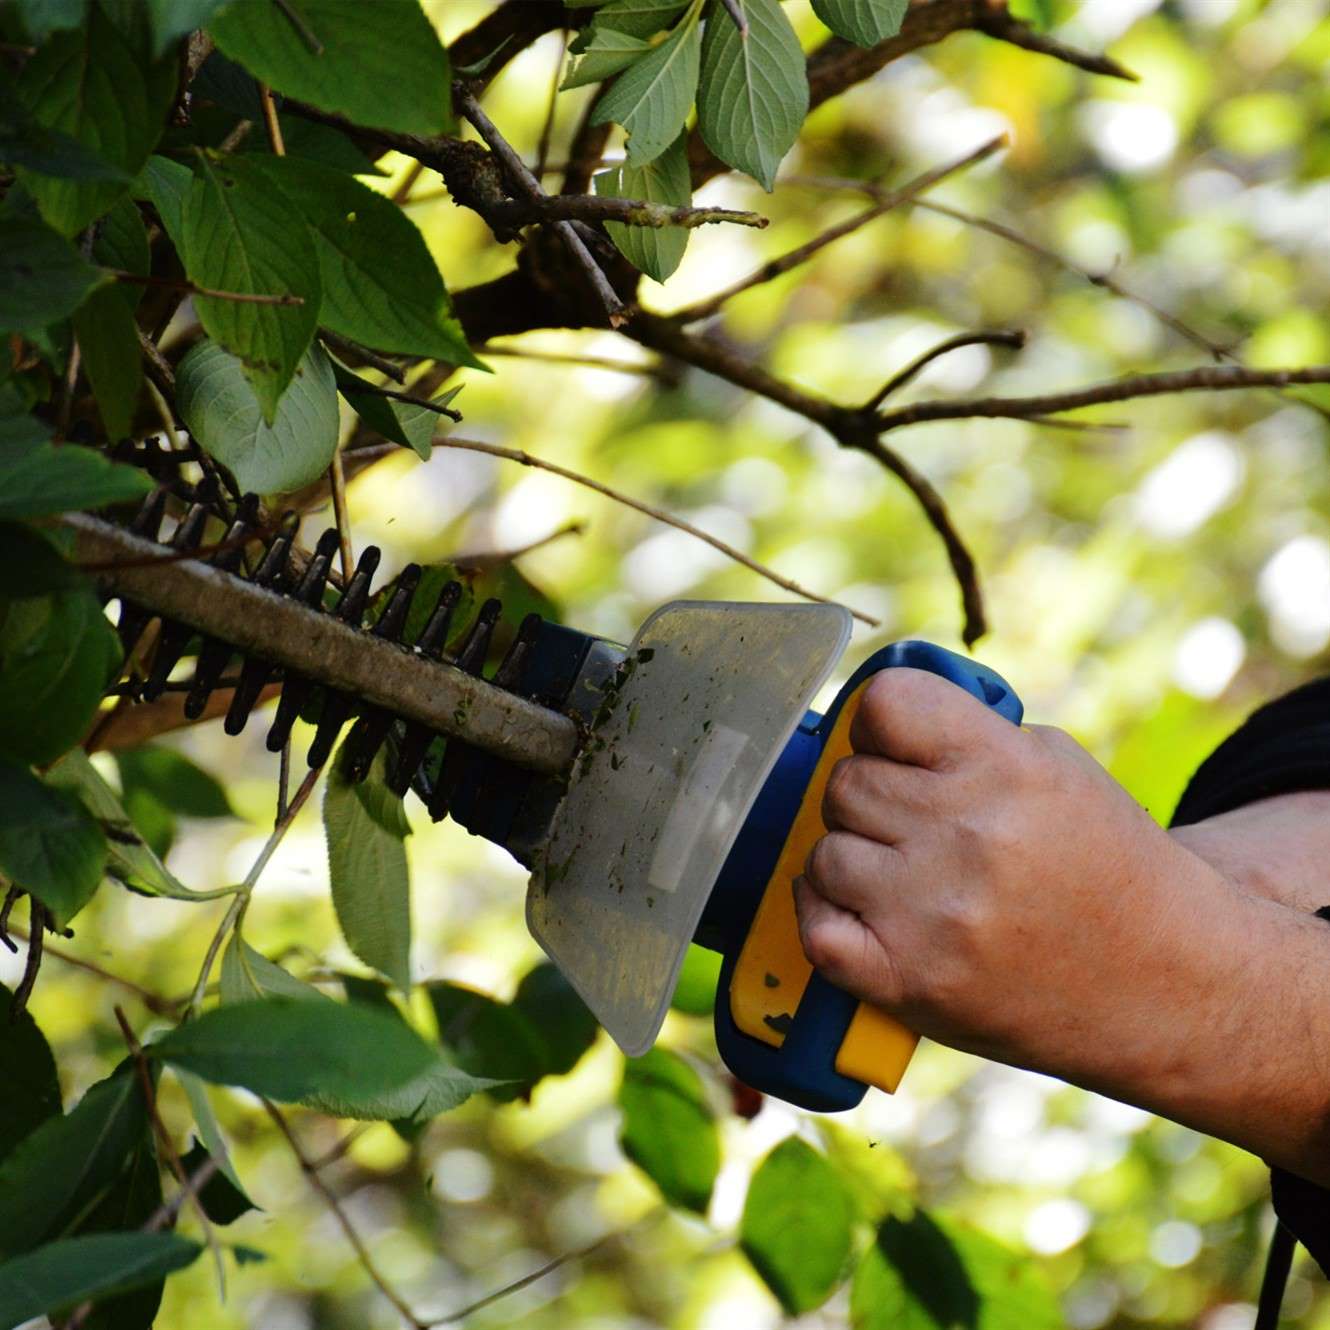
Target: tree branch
{"points": [[1014, 338], [1206, 378], [514, 213]]}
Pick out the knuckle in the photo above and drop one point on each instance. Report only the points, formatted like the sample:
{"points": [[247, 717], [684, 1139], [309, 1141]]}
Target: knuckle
{"points": [[823, 946], [826, 859], [845, 788]]}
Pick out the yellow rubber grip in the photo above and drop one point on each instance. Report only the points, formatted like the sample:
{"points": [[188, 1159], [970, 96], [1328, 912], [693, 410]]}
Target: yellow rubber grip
{"points": [[772, 971]]}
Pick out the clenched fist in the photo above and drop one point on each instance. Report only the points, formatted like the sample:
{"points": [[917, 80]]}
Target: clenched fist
{"points": [[997, 890]]}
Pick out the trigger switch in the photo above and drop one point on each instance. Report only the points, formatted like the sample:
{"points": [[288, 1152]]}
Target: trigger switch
{"points": [[994, 692]]}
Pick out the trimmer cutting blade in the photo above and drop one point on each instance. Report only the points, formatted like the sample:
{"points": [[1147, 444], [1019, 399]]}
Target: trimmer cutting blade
{"points": [[705, 702]]}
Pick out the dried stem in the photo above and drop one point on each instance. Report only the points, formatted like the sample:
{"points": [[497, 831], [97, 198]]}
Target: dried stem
{"points": [[270, 121], [311, 1171], [526, 459], [39, 919], [155, 1002], [774, 268], [591, 362], [514, 213], [337, 484], [345, 346]]}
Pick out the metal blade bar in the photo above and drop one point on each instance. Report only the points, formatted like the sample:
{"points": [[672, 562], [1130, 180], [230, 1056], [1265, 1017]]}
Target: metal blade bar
{"points": [[321, 647]]}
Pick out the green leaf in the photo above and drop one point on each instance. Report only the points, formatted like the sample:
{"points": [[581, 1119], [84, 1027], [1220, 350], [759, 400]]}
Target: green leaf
{"points": [[798, 1225], [24, 141], [639, 18], [32, 1088], [322, 144], [174, 19], [67, 1164], [239, 234], [669, 1130], [129, 860], [57, 654], [122, 242], [43, 17], [930, 1273], [371, 890], [31, 565], [561, 1019], [402, 422], [63, 1274], [36, 482], [166, 184], [129, 1204], [656, 251], [92, 85], [348, 1059], [380, 285], [216, 402], [863, 22], [43, 278], [489, 1038], [206, 1121], [172, 778], [248, 975], [606, 53], [651, 98], [380, 65], [20, 432], [49, 844], [753, 95], [695, 992], [223, 1201], [108, 340]]}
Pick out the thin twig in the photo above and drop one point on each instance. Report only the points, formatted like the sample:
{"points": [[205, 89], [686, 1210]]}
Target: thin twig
{"points": [[240, 901], [372, 358], [194, 289], [438, 408], [525, 183], [551, 107], [12, 895], [493, 558], [402, 194], [774, 268], [560, 358], [270, 121], [1206, 378], [1014, 338], [526, 459], [283, 782], [310, 1170], [303, 30], [337, 484], [606, 208], [155, 1002], [39, 920], [165, 1142]]}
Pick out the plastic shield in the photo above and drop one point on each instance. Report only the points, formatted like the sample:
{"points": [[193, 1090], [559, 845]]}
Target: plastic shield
{"points": [[707, 698]]}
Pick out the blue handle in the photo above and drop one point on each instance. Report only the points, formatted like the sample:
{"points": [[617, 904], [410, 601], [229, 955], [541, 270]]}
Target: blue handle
{"points": [[802, 1070]]}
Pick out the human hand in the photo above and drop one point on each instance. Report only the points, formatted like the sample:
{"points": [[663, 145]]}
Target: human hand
{"points": [[997, 890]]}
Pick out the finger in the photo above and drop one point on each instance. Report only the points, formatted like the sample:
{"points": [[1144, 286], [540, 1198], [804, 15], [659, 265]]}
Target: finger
{"points": [[919, 718], [837, 942], [876, 797], [853, 872]]}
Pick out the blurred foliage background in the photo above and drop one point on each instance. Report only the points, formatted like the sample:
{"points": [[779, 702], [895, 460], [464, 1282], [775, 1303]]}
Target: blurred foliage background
{"points": [[1147, 586]]}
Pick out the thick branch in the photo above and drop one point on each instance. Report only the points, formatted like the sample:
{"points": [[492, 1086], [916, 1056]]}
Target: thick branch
{"points": [[1207, 378], [515, 213]]}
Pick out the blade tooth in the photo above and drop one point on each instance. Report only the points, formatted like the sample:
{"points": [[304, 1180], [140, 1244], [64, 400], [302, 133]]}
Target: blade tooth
{"points": [[351, 608], [296, 691], [471, 654], [148, 520], [393, 619], [510, 667], [410, 754], [171, 643], [365, 740], [254, 678], [436, 630], [337, 707], [214, 657]]}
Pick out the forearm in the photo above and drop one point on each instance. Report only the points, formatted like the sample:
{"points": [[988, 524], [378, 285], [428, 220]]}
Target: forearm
{"points": [[1276, 848]]}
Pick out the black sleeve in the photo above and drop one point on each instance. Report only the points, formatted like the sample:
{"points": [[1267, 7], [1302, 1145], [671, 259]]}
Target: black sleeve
{"points": [[1282, 748]]}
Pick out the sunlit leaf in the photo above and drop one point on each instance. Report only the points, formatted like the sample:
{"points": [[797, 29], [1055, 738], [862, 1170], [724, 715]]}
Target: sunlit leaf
{"points": [[406, 423], [606, 53], [651, 98], [380, 64], [753, 94], [798, 1225], [248, 975], [639, 18], [669, 1130], [695, 991], [488, 1038], [863, 22], [216, 401], [656, 251]]}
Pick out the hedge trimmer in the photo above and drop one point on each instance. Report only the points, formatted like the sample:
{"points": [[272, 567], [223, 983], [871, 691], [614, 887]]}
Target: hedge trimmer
{"points": [[663, 792]]}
